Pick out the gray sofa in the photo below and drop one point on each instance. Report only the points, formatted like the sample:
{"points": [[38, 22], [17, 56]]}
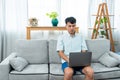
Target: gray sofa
{"points": [[45, 64]]}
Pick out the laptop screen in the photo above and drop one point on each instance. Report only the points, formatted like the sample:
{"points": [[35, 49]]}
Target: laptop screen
{"points": [[77, 59]]}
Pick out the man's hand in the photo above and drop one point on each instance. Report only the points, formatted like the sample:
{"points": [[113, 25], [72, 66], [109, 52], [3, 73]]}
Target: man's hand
{"points": [[63, 56], [83, 51]]}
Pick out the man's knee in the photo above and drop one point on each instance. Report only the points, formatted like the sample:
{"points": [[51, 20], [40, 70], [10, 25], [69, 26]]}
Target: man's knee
{"points": [[88, 71], [68, 71]]}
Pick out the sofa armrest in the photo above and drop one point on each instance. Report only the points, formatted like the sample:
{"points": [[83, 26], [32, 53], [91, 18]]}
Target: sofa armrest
{"points": [[5, 67]]}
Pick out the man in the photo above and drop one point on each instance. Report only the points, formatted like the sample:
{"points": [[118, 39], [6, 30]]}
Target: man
{"points": [[72, 42]]}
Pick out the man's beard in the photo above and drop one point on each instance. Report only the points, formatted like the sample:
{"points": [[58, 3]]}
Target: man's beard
{"points": [[72, 32]]}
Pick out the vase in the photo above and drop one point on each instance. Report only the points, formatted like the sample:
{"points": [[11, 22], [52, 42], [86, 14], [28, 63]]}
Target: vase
{"points": [[54, 22]]}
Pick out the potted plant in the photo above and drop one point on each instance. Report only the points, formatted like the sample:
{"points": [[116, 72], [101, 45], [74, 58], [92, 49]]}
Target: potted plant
{"points": [[102, 22], [101, 32], [53, 16]]}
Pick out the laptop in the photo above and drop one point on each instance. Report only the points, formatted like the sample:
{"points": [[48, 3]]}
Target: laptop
{"points": [[77, 59]]}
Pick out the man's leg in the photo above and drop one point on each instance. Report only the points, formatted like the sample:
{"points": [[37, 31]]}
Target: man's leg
{"points": [[89, 73], [68, 73]]}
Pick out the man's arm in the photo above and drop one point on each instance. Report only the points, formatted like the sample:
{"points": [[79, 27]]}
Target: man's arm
{"points": [[84, 46], [63, 56], [60, 48]]}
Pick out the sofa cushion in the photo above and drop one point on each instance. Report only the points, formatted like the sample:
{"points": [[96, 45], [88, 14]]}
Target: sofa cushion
{"points": [[98, 47], [56, 69], [18, 63], [28, 77], [108, 60], [103, 72], [100, 70], [53, 54], [33, 69], [34, 51]]}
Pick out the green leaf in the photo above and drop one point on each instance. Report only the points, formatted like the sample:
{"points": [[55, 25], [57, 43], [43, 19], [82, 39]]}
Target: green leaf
{"points": [[52, 15], [94, 31], [103, 33]]}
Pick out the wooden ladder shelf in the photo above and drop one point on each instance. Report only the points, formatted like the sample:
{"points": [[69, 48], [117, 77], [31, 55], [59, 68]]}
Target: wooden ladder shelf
{"points": [[103, 13]]}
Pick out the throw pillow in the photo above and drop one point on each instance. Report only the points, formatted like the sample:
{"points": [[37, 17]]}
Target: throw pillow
{"points": [[18, 63], [108, 60], [117, 56], [118, 53]]}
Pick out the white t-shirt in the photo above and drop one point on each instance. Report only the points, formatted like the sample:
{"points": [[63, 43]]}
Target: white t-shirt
{"points": [[71, 44]]}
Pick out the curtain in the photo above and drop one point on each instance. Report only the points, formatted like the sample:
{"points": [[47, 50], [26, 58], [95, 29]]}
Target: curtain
{"points": [[1, 23], [117, 25], [78, 9], [117, 20], [12, 24]]}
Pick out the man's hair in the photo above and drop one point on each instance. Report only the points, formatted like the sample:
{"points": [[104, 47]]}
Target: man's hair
{"points": [[72, 20]]}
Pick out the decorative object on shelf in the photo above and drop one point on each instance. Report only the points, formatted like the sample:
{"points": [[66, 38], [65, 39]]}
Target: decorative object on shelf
{"points": [[33, 22], [53, 16], [101, 32]]}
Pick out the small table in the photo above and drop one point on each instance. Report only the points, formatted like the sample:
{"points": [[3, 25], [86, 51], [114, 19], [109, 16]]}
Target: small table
{"points": [[58, 28]]}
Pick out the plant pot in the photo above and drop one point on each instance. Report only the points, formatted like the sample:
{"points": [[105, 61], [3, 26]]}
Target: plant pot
{"points": [[102, 36], [54, 22], [102, 26]]}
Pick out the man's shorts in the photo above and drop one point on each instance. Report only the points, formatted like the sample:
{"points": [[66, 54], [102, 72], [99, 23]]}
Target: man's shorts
{"points": [[65, 65]]}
